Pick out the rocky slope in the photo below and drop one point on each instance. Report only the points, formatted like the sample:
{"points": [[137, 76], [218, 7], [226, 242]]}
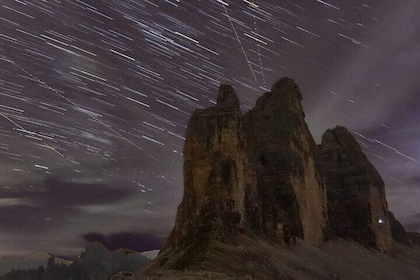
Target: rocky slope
{"points": [[254, 185], [252, 258]]}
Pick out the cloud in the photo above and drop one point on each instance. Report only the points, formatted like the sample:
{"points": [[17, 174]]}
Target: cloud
{"points": [[129, 240], [63, 193], [413, 181], [7, 202], [58, 192], [23, 218], [54, 213], [374, 81], [52, 204]]}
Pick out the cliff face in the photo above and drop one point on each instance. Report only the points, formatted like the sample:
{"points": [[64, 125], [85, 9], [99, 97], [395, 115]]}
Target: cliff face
{"points": [[285, 157], [262, 176], [218, 181], [357, 206], [258, 173]]}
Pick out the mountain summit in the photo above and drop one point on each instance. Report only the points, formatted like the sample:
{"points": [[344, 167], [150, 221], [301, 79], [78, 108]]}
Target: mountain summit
{"points": [[284, 155], [356, 192], [261, 199]]}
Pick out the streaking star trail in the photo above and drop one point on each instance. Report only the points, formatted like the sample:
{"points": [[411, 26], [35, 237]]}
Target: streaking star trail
{"points": [[95, 97]]}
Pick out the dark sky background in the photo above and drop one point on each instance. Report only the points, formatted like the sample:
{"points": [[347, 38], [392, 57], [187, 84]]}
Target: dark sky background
{"points": [[95, 97]]}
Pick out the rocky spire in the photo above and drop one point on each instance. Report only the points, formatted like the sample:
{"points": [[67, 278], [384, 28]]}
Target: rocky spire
{"points": [[357, 206], [253, 182], [217, 174], [285, 157], [227, 96]]}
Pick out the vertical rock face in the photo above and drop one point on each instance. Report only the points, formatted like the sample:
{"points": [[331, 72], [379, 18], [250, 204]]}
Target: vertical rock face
{"points": [[263, 174], [285, 157], [357, 206], [217, 175]]}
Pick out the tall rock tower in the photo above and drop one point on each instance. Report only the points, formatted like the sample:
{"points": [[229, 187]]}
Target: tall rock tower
{"points": [[253, 182], [286, 158], [219, 184], [357, 206]]}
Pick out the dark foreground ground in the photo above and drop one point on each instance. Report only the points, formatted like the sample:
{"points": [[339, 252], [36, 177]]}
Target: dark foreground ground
{"points": [[254, 259]]}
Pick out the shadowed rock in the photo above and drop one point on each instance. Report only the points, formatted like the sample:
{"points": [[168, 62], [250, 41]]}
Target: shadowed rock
{"points": [[285, 158], [255, 182], [218, 181], [357, 206]]}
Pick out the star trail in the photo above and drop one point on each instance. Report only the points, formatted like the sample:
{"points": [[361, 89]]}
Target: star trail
{"points": [[95, 97]]}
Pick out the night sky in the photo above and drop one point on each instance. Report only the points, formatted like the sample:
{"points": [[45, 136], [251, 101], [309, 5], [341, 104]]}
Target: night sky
{"points": [[95, 97]]}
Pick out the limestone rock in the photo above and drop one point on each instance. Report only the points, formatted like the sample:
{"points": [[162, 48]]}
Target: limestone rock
{"points": [[258, 173], [218, 181], [357, 206], [285, 157], [261, 179]]}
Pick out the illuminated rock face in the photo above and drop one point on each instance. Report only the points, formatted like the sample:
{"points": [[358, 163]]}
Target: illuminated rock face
{"points": [[357, 206], [219, 183]]}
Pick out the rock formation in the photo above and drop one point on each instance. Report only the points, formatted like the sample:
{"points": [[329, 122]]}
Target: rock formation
{"points": [[258, 173], [286, 158], [356, 192], [259, 180], [216, 174]]}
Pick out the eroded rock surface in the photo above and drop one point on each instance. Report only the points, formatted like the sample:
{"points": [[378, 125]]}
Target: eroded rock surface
{"points": [[260, 178], [217, 175], [357, 206], [286, 158]]}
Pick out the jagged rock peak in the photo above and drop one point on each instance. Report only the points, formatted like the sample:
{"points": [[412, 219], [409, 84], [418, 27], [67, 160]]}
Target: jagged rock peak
{"points": [[288, 86], [357, 206], [216, 174], [258, 180], [285, 157], [340, 136], [227, 96], [284, 99], [340, 140]]}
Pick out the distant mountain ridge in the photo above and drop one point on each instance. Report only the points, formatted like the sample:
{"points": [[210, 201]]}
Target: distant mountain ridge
{"points": [[257, 184], [31, 261], [95, 262]]}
